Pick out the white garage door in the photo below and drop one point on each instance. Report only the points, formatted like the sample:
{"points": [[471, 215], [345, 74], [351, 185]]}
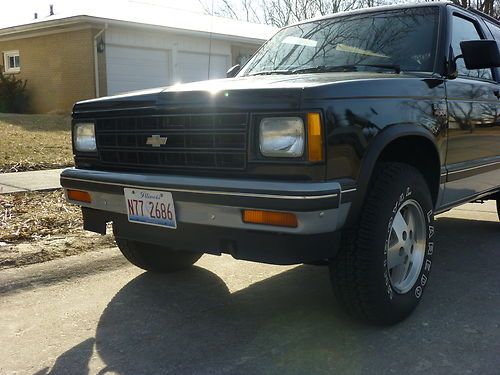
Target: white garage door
{"points": [[194, 66], [131, 69]]}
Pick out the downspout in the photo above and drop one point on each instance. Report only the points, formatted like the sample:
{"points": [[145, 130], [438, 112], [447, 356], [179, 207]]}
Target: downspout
{"points": [[210, 43], [96, 60]]}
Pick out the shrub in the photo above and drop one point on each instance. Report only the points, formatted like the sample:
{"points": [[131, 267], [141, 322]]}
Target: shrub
{"points": [[13, 94]]}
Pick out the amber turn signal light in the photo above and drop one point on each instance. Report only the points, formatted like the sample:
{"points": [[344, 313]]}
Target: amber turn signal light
{"points": [[314, 137], [282, 219], [78, 195]]}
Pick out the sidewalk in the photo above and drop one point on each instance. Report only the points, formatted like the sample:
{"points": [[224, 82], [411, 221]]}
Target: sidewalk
{"points": [[29, 181]]}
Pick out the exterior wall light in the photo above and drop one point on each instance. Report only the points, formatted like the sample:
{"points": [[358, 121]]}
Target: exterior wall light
{"points": [[101, 46]]}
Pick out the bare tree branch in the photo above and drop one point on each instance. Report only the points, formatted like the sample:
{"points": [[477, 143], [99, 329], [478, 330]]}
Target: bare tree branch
{"points": [[283, 12]]}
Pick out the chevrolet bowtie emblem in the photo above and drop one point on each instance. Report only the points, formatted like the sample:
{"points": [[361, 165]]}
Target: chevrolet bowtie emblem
{"points": [[156, 140]]}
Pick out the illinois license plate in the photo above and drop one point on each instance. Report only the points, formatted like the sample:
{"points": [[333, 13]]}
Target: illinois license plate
{"points": [[150, 207]]}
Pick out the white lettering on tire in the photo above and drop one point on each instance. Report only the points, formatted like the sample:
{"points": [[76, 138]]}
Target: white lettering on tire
{"points": [[423, 280], [418, 291], [427, 266], [430, 248]]}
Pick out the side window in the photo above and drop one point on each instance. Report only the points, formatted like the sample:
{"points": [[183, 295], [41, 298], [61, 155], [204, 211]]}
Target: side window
{"points": [[495, 30], [11, 62], [466, 30]]}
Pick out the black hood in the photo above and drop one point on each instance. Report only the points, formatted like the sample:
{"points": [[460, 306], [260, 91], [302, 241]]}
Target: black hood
{"points": [[273, 93]]}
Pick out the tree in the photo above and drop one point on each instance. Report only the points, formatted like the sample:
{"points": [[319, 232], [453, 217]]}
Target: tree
{"points": [[244, 10], [280, 12], [490, 7], [284, 12]]}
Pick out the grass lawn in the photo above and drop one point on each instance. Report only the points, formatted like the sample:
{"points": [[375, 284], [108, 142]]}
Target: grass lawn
{"points": [[31, 142]]}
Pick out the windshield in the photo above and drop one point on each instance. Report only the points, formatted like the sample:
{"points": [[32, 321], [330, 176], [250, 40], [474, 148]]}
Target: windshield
{"points": [[395, 40]]}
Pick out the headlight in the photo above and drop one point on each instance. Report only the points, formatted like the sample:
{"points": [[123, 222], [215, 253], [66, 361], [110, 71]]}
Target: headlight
{"points": [[84, 135], [282, 137]]}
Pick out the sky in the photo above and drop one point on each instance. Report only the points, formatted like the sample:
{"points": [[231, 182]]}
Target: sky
{"points": [[22, 11]]}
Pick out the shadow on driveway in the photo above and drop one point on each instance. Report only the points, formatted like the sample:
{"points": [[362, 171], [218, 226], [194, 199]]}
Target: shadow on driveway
{"points": [[189, 323]]}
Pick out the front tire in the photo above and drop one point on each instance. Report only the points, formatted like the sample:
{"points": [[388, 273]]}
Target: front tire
{"points": [[156, 258], [383, 265]]}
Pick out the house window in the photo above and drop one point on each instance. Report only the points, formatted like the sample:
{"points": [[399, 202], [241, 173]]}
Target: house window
{"points": [[11, 62]]}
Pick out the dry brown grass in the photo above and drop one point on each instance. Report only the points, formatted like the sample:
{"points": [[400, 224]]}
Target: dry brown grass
{"points": [[34, 215], [40, 226], [32, 142]]}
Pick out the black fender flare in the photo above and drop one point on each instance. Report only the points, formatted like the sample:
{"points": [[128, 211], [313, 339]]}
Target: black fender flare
{"points": [[372, 155]]}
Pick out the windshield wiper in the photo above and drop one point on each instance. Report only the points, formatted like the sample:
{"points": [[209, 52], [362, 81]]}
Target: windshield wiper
{"points": [[344, 68], [328, 69], [325, 69], [269, 72], [315, 69]]}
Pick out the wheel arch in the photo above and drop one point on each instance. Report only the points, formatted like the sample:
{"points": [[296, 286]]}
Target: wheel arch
{"points": [[392, 144]]}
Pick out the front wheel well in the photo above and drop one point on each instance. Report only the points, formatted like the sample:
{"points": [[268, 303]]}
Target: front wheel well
{"points": [[420, 153]]}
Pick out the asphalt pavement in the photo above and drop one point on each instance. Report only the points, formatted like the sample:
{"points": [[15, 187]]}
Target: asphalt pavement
{"points": [[95, 314]]}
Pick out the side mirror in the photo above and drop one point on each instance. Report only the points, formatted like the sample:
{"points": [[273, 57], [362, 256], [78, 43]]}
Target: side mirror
{"points": [[233, 71], [480, 54]]}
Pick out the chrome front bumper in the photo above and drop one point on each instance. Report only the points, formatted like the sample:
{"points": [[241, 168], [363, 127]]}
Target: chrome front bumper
{"points": [[318, 206]]}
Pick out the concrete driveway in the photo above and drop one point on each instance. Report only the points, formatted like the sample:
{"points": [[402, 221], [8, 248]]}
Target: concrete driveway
{"points": [[94, 313]]}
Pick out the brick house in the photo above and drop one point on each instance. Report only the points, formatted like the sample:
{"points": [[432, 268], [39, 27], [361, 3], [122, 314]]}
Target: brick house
{"points": [[67, 58]]}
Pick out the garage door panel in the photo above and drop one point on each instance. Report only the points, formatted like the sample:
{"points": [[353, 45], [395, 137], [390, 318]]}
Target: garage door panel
{"points": [[193, 66], [131, 69], [219, 66]]}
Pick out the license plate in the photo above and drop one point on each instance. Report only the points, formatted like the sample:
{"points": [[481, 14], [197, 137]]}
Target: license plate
{"points": [[150, 207]]}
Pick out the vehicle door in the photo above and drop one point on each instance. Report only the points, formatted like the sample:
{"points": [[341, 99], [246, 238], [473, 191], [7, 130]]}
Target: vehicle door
{"points": [[472, 159]]}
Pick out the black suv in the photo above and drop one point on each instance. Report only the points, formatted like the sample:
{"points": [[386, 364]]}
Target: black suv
{"points": [[336, 144]]}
